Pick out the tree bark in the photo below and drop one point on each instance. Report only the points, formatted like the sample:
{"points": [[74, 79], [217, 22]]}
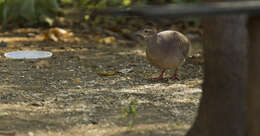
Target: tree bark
{"points": [[254, 77], [222, 110]]}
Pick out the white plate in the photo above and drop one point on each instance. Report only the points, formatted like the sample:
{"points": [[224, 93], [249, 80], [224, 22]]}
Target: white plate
{"points": [[28, 54]]}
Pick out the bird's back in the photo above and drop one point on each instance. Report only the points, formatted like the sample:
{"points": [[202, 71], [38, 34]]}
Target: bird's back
{"points": [[169, 49]]}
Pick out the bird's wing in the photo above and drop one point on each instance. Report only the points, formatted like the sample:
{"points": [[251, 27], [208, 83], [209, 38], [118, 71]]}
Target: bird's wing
{"points": [[173, 42]]}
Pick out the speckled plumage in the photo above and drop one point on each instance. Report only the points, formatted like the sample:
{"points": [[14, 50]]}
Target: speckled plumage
{"points": [[166, 49]]}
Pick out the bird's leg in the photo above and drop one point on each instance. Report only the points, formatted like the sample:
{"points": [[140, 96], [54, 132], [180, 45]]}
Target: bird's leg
{"points": [[174, 76], [161, 75]]}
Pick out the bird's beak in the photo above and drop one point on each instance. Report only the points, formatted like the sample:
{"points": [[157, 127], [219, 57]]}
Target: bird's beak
{"points": [[139, 34]]}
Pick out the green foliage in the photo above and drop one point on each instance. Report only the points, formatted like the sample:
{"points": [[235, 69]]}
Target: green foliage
{"points": [[99, 4], [130, 112], [185, 1], [27, 11], [66, 1], [92, 5]]}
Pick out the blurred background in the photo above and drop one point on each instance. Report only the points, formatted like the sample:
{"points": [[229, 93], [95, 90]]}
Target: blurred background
{"points": [[80, 15], [98, 80]]}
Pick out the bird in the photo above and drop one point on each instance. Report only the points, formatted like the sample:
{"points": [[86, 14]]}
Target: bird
{"points": [[166, 49]]}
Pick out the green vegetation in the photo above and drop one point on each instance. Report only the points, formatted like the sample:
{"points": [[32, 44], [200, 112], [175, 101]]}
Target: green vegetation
{"points": [[92, 5], [31, 12], [27, 11], [130, 113], [99, 4]]}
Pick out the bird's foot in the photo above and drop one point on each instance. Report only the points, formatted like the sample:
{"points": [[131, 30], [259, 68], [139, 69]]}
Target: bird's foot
{"points": [[161, 75], [175, 77]]}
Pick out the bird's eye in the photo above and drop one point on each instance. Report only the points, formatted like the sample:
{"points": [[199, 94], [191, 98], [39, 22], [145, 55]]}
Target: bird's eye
{"points": [[146, 31]]}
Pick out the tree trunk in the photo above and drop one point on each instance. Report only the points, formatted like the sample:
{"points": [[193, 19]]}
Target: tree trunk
{"points": [[222, 110], [254, 77]]}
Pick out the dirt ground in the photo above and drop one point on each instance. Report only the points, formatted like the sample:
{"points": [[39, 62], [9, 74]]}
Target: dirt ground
{"points": [[84, 87]]}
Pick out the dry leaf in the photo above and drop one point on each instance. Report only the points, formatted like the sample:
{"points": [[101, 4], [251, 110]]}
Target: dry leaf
{"points": [[23, 31], [31, 34], [76, 80], [108, 40], [58, 50], [103, 73], [56, 34], [126, 70]]}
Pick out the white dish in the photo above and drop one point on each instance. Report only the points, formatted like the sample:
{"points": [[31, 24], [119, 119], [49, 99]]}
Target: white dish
{"points": [[33, 54]]}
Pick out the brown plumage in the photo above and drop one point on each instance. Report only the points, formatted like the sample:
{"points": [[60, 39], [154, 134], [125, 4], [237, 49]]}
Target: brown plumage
{"points": [[166, 49]]}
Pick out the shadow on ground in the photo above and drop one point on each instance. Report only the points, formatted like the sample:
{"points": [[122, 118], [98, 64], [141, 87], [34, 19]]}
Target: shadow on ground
{"points": [[64, 95]]}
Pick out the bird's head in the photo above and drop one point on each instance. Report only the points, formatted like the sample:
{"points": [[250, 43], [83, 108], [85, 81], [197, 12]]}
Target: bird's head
{"points": [[146, 32]]}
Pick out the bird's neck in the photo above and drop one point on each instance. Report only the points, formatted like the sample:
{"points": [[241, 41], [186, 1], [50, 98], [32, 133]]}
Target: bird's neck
{"points": [[151, 41]]}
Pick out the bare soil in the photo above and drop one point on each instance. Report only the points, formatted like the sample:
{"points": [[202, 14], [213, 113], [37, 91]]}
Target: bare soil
{"points": [[67, 94]]}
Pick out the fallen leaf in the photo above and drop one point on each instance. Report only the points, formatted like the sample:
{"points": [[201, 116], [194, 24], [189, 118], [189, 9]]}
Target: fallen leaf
{"points": [[126, 70], [31, 34], [103, 73], [23, 31], [76, 80], [108, 40], [56, 34], [191, 86]]}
